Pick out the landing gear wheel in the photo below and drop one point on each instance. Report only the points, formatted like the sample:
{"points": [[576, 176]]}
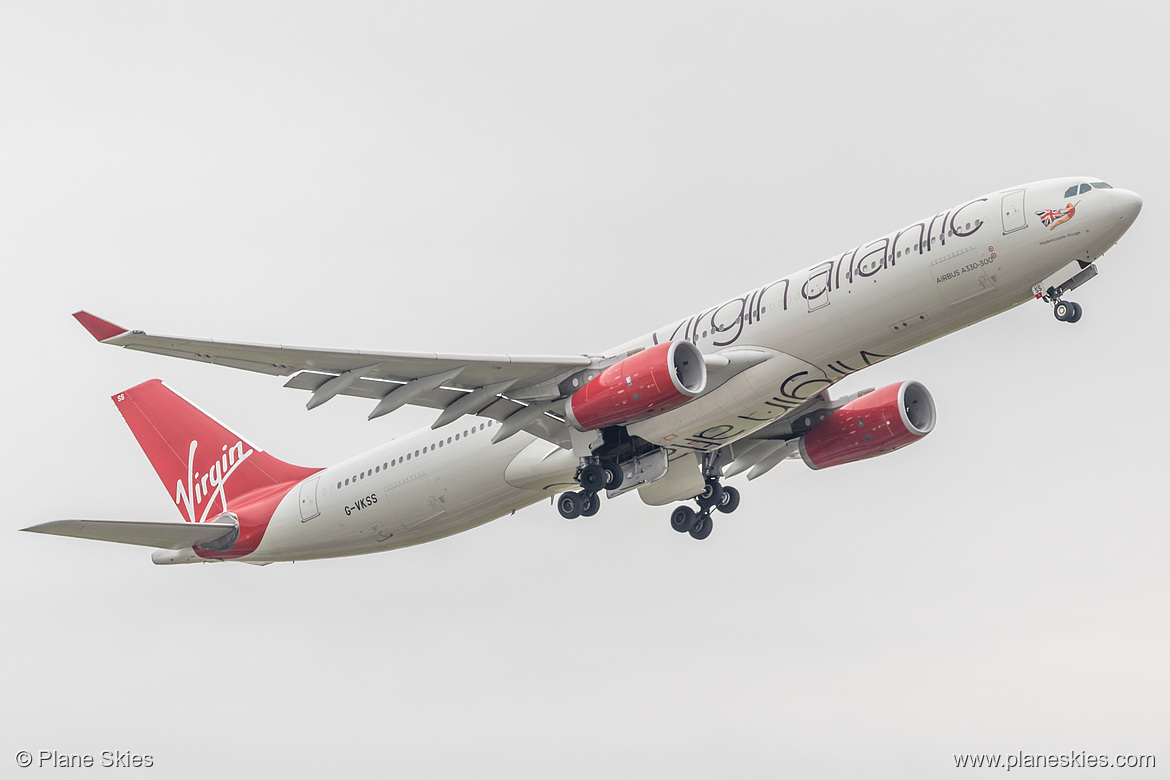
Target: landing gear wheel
{"points": [[711, 496], [614, 476], [730, 501], [683, 518], [570, 505], [591, 503], [703, 526], [592, 478], [1067, 311]]}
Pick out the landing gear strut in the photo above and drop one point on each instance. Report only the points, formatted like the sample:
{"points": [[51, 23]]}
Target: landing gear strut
{"points": [[1067, 311]]}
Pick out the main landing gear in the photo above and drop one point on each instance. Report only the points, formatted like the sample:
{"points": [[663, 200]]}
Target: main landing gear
{"points": [[714, 497], [593, 478], [1067, 311]]}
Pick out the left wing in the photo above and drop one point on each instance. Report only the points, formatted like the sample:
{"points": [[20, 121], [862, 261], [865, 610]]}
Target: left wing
{"points": [[495, 386]]}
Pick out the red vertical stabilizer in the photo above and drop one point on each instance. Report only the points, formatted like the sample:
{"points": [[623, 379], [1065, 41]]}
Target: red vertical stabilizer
{"points": [[207, 468]]}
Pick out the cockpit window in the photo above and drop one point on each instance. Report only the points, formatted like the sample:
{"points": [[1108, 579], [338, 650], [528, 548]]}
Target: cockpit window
{"points": [[1083, 188]]}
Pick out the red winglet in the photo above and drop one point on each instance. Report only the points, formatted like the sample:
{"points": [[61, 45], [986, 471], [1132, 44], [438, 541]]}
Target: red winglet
{"points": [[97, 327]]}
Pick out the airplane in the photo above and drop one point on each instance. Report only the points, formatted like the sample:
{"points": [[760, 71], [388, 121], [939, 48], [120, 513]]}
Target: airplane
{"points": [[735, 388]]}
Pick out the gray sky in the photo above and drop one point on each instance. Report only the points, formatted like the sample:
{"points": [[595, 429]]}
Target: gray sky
{"points": [[547, 178]]}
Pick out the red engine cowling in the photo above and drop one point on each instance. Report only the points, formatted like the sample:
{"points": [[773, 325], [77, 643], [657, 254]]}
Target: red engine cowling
{"points": [[874, 424], [652, 381]]}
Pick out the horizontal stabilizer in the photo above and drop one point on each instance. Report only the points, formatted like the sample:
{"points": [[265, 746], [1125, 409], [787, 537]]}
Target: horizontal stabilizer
{"points": [[170, 536]]}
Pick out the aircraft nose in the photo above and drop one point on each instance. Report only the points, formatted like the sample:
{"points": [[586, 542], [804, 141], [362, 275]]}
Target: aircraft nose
{"points": [[1126, 204]]}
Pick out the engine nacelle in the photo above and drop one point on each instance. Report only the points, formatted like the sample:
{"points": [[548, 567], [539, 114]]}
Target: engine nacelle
{"points": [[874, 424], [652, 381]]}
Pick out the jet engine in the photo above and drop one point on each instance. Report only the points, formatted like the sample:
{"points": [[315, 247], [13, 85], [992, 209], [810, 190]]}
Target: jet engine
{"points": [[876, 423], [649, 382]]}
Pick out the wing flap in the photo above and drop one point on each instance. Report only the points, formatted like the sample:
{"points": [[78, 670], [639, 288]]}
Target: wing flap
{"points": [[376, 389], [169, 536]]}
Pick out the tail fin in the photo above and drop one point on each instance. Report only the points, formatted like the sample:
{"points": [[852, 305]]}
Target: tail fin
{"points": [[205, 466]]}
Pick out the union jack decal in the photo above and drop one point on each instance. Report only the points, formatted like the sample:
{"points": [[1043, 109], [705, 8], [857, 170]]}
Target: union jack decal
{"points": [[1053, 217]]}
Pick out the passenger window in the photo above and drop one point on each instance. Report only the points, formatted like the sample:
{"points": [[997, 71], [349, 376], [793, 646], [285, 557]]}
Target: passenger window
{"points": [[1070, 191], [1085, 188]]}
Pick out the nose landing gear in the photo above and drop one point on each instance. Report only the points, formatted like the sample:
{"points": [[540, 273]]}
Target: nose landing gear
{"points": [[1067, 311]]}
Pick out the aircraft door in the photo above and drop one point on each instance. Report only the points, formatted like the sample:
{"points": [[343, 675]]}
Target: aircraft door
{"points": [[309, 508], [816, 289], [1012, 209]]}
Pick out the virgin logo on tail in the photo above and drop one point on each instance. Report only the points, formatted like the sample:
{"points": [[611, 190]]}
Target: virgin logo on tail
{"points": [[205, 488]]}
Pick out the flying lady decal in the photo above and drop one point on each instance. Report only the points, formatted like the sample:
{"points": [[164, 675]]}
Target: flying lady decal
{"points": [[1053, 217]]}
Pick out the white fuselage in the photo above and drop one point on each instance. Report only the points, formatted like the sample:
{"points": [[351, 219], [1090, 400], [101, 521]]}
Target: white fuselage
{"points": [[818, 325]]}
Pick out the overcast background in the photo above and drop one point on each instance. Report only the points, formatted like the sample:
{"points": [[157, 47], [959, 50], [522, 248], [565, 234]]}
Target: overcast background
{"points": [[555, 178]]}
